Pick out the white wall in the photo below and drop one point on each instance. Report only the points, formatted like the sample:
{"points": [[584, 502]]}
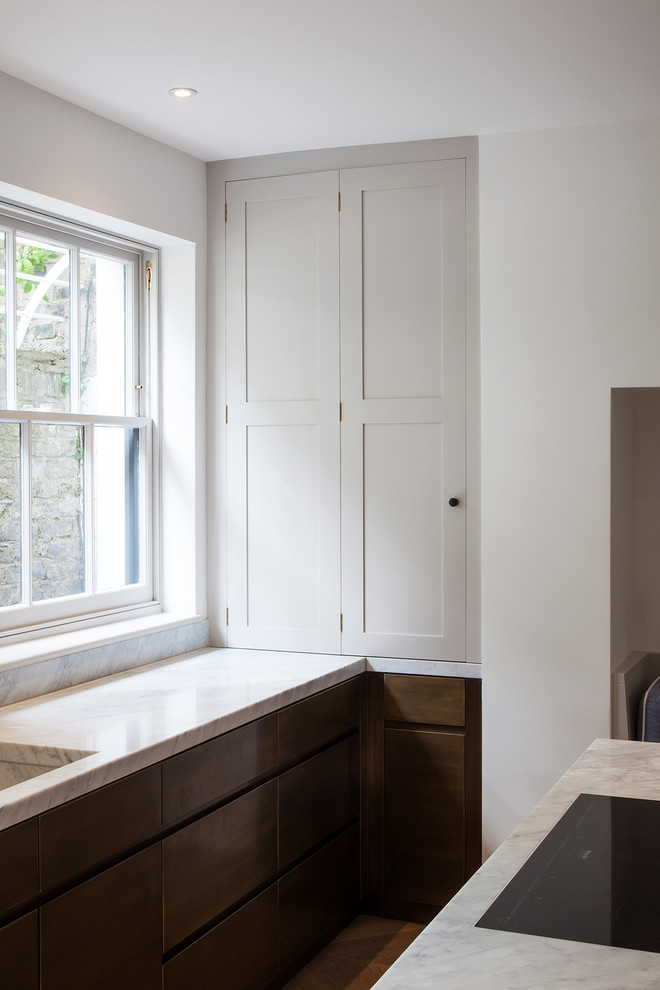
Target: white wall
{"points": [[622, 521], [59, 158], [570, 289]]}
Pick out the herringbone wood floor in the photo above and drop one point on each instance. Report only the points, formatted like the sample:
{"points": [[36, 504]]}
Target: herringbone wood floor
{"points": [[358, 956]]}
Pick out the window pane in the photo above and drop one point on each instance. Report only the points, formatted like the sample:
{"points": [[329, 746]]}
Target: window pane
{"points": [[3, 321], [116, 507], [58, 550], [42, 325], [10, 514], [103, 334]]}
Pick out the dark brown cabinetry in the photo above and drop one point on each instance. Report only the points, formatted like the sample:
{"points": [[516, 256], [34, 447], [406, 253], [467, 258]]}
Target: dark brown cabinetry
{"points": [[216, 861], [207, 773], [424, 784], [243, 948], [318, 896], [106, 932], [242, 855], [96, 828], [19, 865], [19, 953]]}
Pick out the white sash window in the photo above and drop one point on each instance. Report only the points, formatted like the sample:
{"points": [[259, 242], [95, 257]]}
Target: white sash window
{"points": [[76, 460]]}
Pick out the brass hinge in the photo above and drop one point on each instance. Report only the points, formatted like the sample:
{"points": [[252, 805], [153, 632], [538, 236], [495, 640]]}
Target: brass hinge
{"points": [[340, 412], [339, 201], [227, 617], [225, 213], [226, 414], [341, 622], [148, 273]]}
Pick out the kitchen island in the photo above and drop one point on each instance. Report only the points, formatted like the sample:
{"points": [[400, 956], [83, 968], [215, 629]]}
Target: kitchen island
{"points": [[453, 954]]}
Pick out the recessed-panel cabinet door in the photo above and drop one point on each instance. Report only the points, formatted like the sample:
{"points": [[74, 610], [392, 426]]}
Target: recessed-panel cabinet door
{"points": [[283, 413], [424, 815], [403, 396]]}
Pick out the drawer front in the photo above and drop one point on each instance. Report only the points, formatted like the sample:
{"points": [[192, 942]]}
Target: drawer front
{"points": [[19, 953], [425, 700], [318, 720], [317, 798], [19, 864], [216, 861], [318, 896], [106, 933], [243, 948], [213, 770], [424, 835], [85, 832]]}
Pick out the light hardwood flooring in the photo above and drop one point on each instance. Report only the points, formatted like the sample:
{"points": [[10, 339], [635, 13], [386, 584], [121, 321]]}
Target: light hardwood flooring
{"points": [[358, 956]]}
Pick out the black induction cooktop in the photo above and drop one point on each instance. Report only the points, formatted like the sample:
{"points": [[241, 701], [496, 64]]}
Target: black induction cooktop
{"points": [[594, 878]]}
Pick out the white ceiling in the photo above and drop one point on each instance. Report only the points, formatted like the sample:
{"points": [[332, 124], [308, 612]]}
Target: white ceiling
{"points": [[284, 75]]}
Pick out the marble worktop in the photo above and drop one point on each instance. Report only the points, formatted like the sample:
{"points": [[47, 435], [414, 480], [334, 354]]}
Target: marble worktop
{"points": [[451, 953], [60, 745], [116, 725]]}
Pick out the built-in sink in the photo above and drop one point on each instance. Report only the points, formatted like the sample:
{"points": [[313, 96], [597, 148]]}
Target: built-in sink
{"points": [[21, 761]]}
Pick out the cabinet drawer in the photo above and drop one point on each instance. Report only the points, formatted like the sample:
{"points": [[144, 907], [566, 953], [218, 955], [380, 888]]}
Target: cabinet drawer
{"points": [[426, 700], [318, 896], [106, 933], [19, 953], [318, 720], [243, 948], [317, 798], [19, 864], [93, 828], [208, 772], [424, 835], [216, 861]]}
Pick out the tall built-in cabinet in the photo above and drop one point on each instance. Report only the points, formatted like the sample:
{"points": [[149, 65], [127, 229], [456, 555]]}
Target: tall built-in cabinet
{"points": [[346, 425]]}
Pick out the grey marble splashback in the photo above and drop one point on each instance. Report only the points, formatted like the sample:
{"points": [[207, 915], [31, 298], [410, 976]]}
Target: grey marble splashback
{"points": [[54, 674]]}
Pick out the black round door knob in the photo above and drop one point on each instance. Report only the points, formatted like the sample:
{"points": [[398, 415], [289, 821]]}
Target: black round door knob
{"points": [[453, 502]]}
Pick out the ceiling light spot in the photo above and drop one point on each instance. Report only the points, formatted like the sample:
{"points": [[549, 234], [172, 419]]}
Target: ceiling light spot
{"points": [[182, 92]]}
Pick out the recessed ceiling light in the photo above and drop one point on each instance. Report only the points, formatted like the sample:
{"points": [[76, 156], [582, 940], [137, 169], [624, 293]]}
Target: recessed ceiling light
{"points": [[182, 92]]}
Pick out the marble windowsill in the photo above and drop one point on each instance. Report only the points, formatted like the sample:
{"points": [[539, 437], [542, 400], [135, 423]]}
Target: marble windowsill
{"points": [[451, 953]]}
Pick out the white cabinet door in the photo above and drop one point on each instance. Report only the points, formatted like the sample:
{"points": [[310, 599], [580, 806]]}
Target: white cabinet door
{"points": [[283, 540], [403, 394]]}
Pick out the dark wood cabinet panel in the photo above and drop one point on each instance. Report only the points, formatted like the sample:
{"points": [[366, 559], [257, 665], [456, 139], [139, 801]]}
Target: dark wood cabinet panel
{"points": [[424, 700], [424, 815], [473, 854], [318, 896], [98, 826], [19, 954], [317, 798], [214, 862], [19, 865], [240, 953], [106, 933], [213, 770], [316, 721]]}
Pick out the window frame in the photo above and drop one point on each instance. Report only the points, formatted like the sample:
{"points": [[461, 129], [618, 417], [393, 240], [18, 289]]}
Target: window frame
{"points": [[142, 364]]}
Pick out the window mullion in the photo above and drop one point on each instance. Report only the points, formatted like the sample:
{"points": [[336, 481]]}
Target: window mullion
{"points": [[89, 527], [26, 511], [10, 317], [74, 329]]}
